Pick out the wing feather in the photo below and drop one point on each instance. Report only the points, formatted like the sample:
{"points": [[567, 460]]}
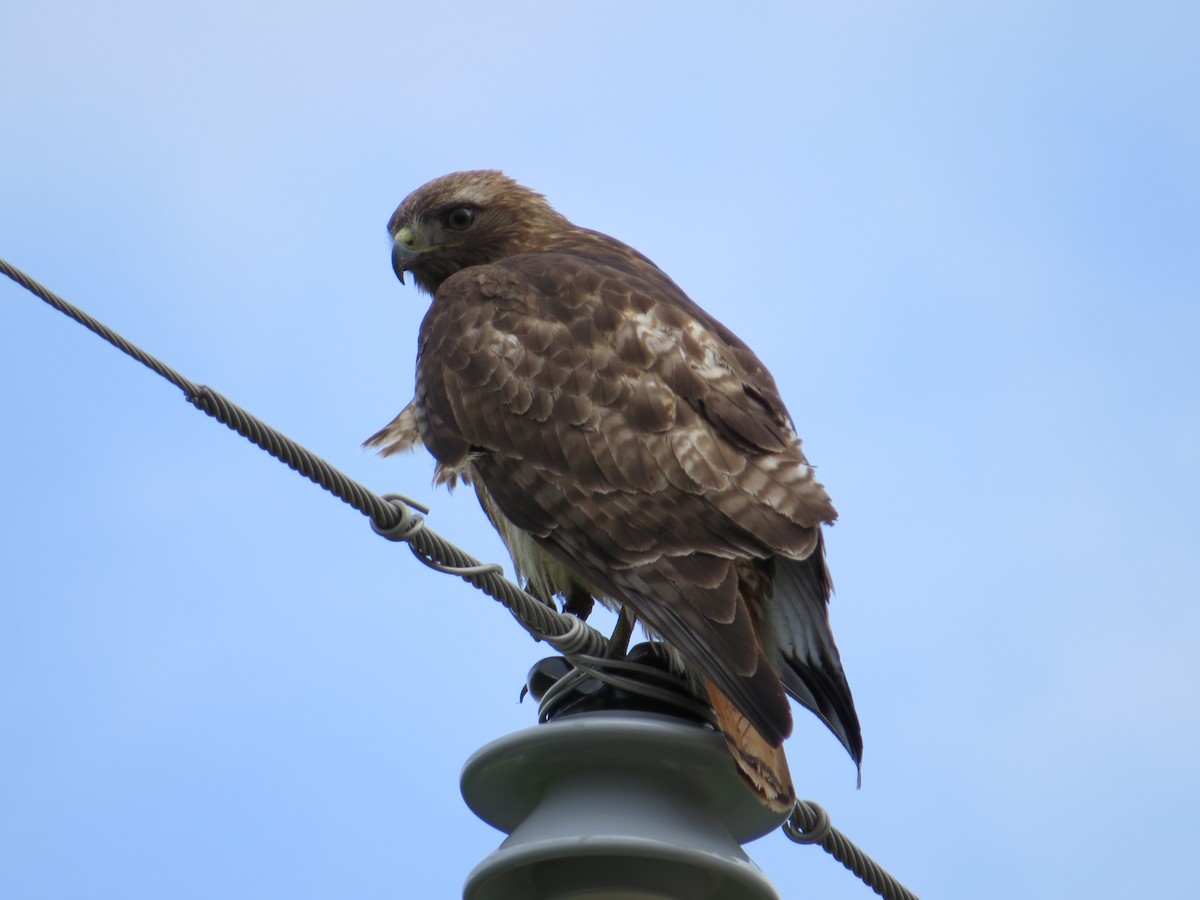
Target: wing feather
{"points": [[640, 444], [809, 664]]}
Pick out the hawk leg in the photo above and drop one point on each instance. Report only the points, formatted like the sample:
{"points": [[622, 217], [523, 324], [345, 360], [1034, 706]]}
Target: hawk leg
{"points": [[619, 640]]}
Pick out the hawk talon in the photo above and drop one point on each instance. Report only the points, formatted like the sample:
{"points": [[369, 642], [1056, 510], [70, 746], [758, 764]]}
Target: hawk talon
{"points": [[578, 603]]}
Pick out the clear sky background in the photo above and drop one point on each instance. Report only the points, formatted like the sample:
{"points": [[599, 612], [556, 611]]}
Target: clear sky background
{"points": [[964, 237]]}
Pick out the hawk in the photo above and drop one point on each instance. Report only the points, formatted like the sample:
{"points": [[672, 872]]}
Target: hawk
{"points": [[628, 447]]}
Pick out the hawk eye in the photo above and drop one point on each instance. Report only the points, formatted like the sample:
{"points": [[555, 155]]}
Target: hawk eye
{"points": [[460, 219]]}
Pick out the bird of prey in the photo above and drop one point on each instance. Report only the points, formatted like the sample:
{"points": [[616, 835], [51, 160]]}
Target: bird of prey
{"points": [[628, 447]]}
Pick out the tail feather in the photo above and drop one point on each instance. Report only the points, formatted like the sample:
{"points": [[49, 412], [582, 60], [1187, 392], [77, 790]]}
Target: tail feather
{"points": [[762, 766]]}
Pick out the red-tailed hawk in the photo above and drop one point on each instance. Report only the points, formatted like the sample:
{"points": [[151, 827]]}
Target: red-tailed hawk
{"points": [[628, 447]]}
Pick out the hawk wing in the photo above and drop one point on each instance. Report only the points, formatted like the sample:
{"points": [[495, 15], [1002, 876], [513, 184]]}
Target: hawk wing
{"points": [[642, 445]]}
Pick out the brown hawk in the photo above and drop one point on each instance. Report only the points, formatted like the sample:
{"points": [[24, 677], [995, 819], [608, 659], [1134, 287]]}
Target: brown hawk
{"points": [[628, 447]]}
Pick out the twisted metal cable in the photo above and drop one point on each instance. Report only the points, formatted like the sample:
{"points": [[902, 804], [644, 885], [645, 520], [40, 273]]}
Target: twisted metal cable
{"points": [[96, 327], [390, 516], [809, 824]]}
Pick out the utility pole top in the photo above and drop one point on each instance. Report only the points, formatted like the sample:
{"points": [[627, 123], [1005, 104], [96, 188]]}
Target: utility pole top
{"points": [[615, 804]]}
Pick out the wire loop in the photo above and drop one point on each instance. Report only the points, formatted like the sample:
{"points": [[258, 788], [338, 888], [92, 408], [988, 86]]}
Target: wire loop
{"points": [[815, 830], [639, 679], [408, 525], [574, 641], [467, 572]]}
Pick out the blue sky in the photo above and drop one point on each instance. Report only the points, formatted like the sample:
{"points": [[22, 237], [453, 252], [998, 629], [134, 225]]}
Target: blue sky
{"points": [[963, 236]]}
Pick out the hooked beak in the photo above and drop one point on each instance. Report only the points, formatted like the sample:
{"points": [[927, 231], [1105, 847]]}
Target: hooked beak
{"points": [[402, 256]]}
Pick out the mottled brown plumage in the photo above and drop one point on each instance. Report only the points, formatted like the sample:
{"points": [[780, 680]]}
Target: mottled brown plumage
{"points": [[628, 447]]}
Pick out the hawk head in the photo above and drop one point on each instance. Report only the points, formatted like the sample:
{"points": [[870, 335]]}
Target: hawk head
{"points": [[467, 219]]}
